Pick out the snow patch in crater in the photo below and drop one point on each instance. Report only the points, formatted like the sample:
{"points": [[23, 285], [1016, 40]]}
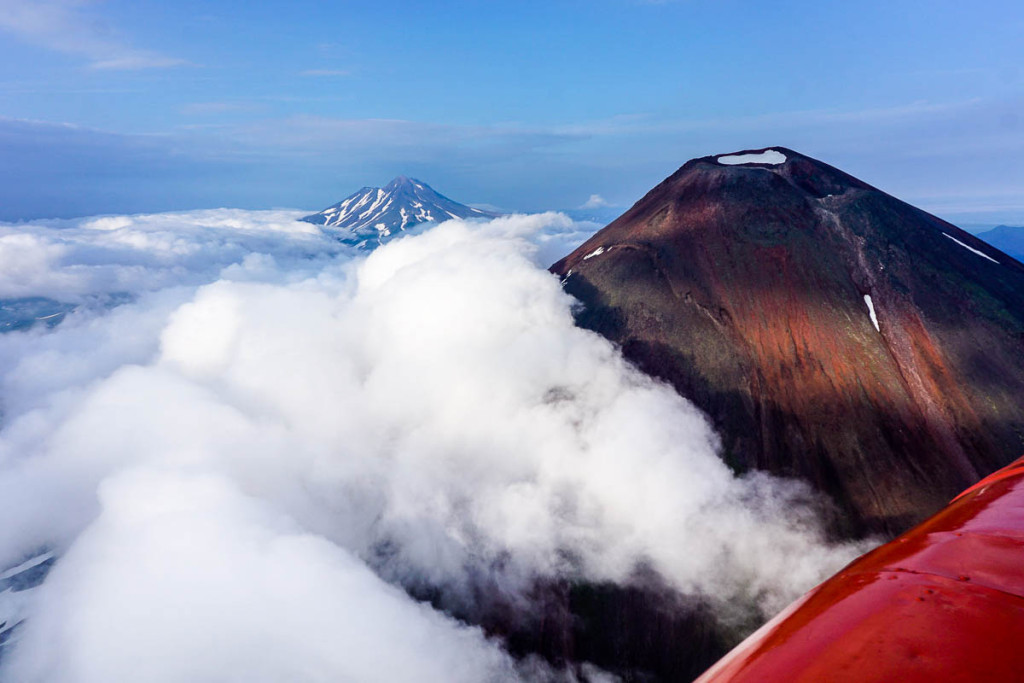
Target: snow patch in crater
{"points": [[769, 156]]}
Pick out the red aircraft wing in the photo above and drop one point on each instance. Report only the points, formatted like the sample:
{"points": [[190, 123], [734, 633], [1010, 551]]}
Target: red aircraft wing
{"points": [[943, 602]]}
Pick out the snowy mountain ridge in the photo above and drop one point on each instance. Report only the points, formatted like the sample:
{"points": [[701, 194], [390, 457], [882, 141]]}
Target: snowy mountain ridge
{"points": [[374, 215]]}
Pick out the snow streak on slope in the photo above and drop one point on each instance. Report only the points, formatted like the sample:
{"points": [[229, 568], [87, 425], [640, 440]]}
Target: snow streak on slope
{"points": [[871, 311], [373, 215], [250, 471], [971, 249]]}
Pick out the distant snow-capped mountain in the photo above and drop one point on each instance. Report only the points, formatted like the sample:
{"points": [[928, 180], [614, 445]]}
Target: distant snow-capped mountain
{"points": [[374, 215]]}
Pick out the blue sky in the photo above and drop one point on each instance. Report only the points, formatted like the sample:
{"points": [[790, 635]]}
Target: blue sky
{"points": [[110, 107]]}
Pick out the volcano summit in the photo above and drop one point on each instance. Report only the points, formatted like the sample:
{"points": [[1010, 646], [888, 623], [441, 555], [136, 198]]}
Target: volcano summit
{"points": [[830, 331]]}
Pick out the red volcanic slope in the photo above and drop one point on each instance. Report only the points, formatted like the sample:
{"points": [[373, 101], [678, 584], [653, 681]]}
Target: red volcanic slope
{"points": [[830, 331], [943, 602]]}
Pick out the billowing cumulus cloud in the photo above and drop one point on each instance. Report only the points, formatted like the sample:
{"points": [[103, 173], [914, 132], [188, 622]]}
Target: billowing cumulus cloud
{"points": [[182, 577], [243, 461], [595, 201]]}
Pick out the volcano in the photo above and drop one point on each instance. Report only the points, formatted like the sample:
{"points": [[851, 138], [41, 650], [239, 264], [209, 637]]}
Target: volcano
{"points": [[375, 215], [830, 331]]}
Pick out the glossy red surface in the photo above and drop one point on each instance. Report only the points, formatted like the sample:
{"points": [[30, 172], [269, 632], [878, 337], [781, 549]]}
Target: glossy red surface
{"points": [[943, 602]]}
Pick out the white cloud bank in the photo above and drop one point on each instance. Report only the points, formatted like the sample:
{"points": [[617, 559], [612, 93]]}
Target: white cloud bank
{"points": [[237, 468]]}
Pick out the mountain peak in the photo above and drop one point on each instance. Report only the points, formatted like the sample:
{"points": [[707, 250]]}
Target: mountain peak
{"points": [[829, 330], [404, 181], [754, 172], [375, 215]]}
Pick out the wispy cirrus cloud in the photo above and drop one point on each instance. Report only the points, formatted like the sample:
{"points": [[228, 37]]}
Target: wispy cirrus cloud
{"points": [[913, 112], [70, 27], [208, 108], [59, 169], [326, 72], [953, 158], [387, 138]]}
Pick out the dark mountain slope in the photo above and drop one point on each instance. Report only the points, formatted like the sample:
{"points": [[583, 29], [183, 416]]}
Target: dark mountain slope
{"points": [[749, 287]]}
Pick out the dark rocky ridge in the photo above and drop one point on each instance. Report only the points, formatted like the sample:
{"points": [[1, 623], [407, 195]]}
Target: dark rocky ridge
{"points": [[743, 286], [643, 631]]}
